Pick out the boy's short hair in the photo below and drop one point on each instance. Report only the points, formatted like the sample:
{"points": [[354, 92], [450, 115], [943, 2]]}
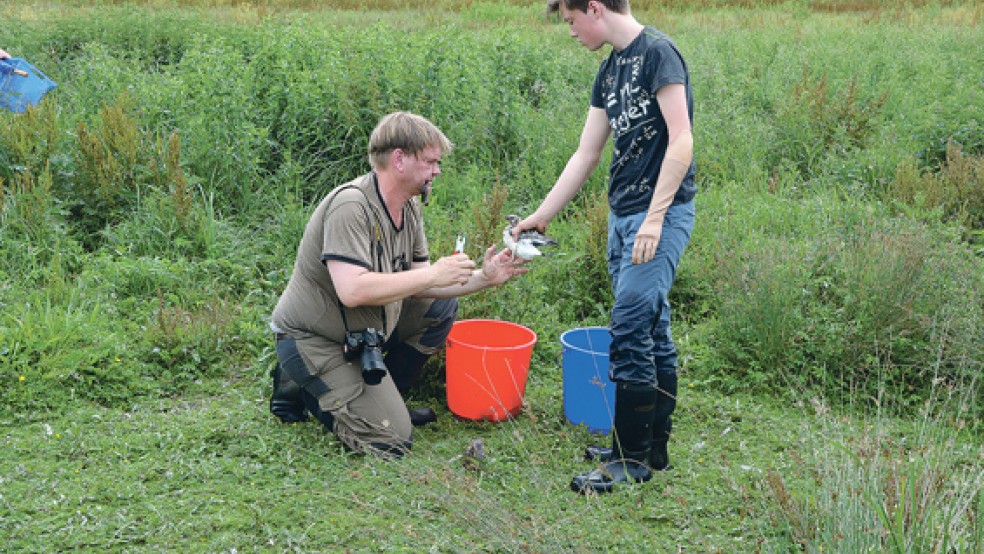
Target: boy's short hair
{"points": [[407, 131], [617, 6]]}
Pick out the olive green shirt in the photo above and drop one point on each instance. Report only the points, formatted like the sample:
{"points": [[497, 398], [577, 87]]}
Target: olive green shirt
{"points": [[351, 225]]}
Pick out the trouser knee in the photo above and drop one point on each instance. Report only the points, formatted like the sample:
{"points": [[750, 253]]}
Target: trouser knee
{"points": [[442, 312]]}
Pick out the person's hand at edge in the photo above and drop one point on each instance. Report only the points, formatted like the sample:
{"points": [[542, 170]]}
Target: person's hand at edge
{"points": [[499, 268]]}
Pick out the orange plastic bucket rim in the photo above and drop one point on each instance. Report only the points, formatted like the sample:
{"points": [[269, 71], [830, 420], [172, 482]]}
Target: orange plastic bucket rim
{"points": [[495, 322]]}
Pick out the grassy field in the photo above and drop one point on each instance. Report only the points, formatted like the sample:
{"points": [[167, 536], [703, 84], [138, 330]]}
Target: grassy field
{"points": [[828, 310]]}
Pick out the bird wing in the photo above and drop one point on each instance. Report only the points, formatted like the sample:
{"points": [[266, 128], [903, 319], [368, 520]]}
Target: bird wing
{"points": [[526, 250], [537, 239]]}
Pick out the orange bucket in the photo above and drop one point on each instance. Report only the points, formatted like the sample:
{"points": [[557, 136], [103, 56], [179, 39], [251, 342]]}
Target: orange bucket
{"points": [[488, 362]]}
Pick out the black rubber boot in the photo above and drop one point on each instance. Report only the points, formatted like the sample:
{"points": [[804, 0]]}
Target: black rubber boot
{"points": [[598, 453], [632, 438], [286, 402], [422, 416], [405, 363], [666, 395], [659, 457]]}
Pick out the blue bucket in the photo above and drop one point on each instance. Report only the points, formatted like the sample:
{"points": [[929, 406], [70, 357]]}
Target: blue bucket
{"points": [[589, 395], [21, 85]]}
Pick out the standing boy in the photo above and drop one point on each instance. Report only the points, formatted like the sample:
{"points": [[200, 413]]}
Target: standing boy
{"points": [[642, 98]]}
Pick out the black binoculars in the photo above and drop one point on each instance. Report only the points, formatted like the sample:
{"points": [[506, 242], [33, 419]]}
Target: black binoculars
{"points": [[368, 345]]}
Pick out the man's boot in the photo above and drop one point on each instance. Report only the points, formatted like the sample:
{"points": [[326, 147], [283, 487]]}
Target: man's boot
{"points": [[286, 402], [405, 363], [632, 439]]}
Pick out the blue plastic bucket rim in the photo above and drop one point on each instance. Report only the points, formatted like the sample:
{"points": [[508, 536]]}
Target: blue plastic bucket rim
{"points": [[564, 341]]}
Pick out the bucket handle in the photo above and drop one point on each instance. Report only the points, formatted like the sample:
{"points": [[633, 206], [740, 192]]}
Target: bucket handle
{"points": [[8, 67], [17, 71]]}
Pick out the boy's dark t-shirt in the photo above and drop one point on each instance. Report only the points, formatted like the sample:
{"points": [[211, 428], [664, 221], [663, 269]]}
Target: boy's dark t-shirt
{"points": [[625, 88]]}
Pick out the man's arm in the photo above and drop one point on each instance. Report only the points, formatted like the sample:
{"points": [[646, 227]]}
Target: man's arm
{"points": [[357, 286], [672, 100], [496, 270], [577, 171]]}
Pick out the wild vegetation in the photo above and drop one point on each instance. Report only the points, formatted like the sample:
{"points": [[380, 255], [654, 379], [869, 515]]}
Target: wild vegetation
{"points": [[828, 310]]}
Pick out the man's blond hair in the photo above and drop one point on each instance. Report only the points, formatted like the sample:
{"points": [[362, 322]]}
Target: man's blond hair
{"points": [[408, 132]]}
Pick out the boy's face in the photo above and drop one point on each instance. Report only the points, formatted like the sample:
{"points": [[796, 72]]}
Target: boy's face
{"points": [[585, 26]]}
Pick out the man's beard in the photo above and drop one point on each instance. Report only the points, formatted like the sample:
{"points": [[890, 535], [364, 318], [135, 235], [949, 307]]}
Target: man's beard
{"points": [[425, 191]]}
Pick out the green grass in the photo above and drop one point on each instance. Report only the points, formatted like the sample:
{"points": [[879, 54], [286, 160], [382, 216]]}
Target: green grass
{"points": [[212, 472], [828, 310]]}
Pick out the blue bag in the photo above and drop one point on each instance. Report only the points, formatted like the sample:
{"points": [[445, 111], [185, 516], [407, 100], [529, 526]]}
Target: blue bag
{"points": [[21, 85]]}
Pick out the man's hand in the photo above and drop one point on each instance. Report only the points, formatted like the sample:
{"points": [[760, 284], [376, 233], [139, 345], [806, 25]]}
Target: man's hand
{"points": [[452, 270], [499, 268], [647, 239]]}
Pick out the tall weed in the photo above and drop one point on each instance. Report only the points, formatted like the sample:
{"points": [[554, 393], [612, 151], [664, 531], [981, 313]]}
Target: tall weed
{"points": [[814, 122], [488, 217], [35, 241], [956, 188], [865, 486], [854, 306], [111, 168], [29, 140], [762, 324], [26, 205], [222, 141], [55, 353]]}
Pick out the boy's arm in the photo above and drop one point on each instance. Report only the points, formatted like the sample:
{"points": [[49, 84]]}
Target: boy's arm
{"points": [[672, 100]]}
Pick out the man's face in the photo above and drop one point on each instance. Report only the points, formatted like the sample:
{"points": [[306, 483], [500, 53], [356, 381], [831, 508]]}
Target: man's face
{"points": [[423, 167], [584, 25]]}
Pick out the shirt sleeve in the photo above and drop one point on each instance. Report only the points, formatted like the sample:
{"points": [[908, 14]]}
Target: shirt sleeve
{"points": [[597, 97], [666, 65], [349, 231]]}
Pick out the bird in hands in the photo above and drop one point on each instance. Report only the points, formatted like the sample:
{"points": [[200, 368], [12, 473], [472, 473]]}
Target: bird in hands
{"points": [[528, 245]]}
